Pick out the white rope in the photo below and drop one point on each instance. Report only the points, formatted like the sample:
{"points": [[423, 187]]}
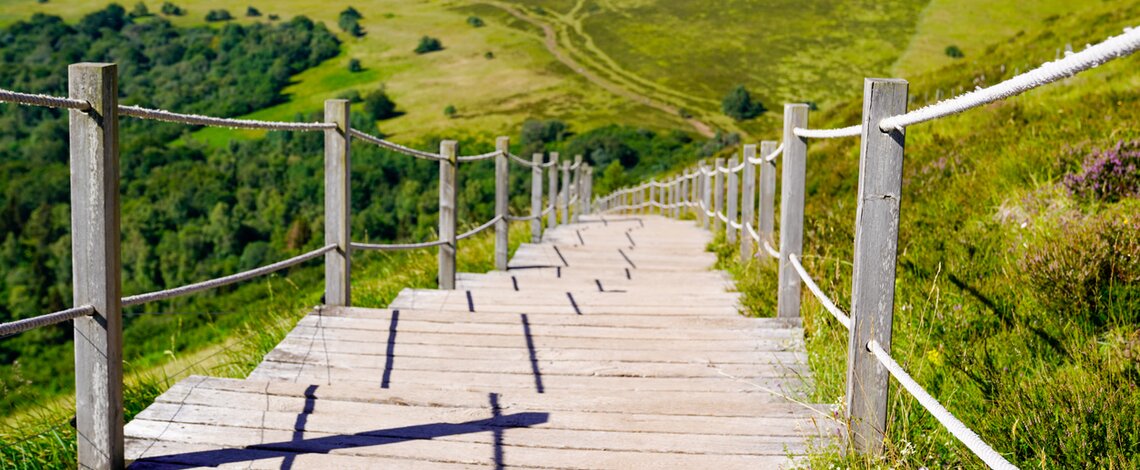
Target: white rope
{"points": [[722, 217], [737, 168], [752, 232], [197, 120], [723, 169], [959, 430], [548, 209], [480, 228], [530, 164], [814, 288], [769, 157], [482, 156], [32, 99], [771, 251], [221, 281], [396, 246], [576, 165], [1111, 48], [355, 133], [736, 225], [849, 131], [524, 218], [20, 326]]}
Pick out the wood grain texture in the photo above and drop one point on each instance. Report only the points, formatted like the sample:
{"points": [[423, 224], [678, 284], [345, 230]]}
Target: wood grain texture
{"points": [[502, 195], [767, 213], [876, 251], [748, 203], [792, 209], [732, 196], [338, 211], [450, 150], [536, 198], [552, 192]]}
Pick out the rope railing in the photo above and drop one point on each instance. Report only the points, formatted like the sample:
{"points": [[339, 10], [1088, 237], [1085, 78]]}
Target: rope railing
{"points": [[968, 437], [1049, 72], [530, 164], [482, 156], [198, 120], [395, 246], [480, 228], [849, 131], [769, 157], [222, 281], [814, 288], [752, 231], [46, 101], [358, 134], [20, 326]]}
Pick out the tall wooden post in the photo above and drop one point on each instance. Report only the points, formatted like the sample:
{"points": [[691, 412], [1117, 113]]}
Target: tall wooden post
{"points": [[536, 198], [589, 191], [652, 196], [792, 209], [96, 266], [707, 191], [730, 206], [767, 227], [718, 194], [502, 193], [448, 149], [552, 192], [876, 251], [565, 202], [748, 204], [338, 213], [578, 171]]}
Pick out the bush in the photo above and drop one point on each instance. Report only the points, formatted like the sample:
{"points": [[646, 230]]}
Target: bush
{"points": [[273, 17], [475, 21], [218, 15], [684, 113], [954, 52], [489, 55], [738, 104], [140, 10], [378, 105], [428, 44], [354, 66], [450, 111], [349, 20], [170, 9], [252, 12], [542, 132], [1108, 175], [352, 96]]}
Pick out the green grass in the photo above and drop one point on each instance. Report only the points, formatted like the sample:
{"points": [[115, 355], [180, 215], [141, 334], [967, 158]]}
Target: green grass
{"points": [[1016, 304], [40, 435]]}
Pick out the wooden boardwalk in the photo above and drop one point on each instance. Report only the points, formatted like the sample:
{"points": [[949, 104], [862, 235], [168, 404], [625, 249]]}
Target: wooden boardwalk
{"points": [[610, 345]]}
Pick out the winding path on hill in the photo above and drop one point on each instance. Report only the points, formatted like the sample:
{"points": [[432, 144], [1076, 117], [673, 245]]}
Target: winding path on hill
{"points": [[550, 40]]}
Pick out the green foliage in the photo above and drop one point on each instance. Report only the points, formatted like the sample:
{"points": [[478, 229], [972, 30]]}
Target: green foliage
{"points": [[536, 134], [170, 9], [379, 106], [450, 111], [954, 52], [218, 15], [475, 21], [252, 12], [428, 44], [349, 22], [489, 55], [139, 10], [354, 66], [738, 104]]}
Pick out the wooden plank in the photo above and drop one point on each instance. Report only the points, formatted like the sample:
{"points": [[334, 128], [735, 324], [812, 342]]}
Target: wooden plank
{"points": [[338, 197], [876, 250], [94, 150]]}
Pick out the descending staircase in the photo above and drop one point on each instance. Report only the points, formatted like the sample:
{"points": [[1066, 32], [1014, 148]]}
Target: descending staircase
{"points": [[610, 345]]}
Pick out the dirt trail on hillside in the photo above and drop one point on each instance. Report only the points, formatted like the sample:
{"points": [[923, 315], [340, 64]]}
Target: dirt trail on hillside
{"points": [[550, 40]]}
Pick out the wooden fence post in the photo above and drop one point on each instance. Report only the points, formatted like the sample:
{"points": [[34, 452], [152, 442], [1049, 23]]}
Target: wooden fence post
{"points": [[578, 171], [706, 190], [767, 227], [718, 194], [338, 200], [792, 209], [552, 192], [730, 207], [448, 149], [565, 200], [748, 204], [653, 195], [502, 193], [536, 198], [588, 203], [96, 265], [876, 252]]}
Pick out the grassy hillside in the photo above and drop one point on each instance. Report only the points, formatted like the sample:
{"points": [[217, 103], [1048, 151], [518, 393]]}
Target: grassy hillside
{"points": [[1018, 291]]}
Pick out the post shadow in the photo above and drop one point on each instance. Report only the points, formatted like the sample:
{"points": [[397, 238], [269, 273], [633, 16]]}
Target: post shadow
{"points": [[533, 355]]}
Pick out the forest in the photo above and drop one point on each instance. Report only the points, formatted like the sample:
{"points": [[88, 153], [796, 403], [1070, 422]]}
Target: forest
{"points": [[193, 211]]}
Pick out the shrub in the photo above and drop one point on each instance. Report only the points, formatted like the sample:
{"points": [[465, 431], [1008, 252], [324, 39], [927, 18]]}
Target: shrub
{"points": [[428, 44], [489, 55], [1108, 175], [475, 21], [252, 12], [684, 113], [273, 17], [140, 10], [170, 9], [218, 15], [738, 104], [354, 66], [348, 19], [378, 105], [450, 111], [954, 52], [352, 96], [542, 132]]}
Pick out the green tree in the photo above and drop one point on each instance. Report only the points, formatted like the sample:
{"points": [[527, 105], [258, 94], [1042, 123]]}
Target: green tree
{"points": [[170, 9], [428, 44], [475, 21], [354, 65], [954, 52], [139, 10], [252, 12], [378, 105], [348, 19], [218, 15], [738, 104], [450, 111]]}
